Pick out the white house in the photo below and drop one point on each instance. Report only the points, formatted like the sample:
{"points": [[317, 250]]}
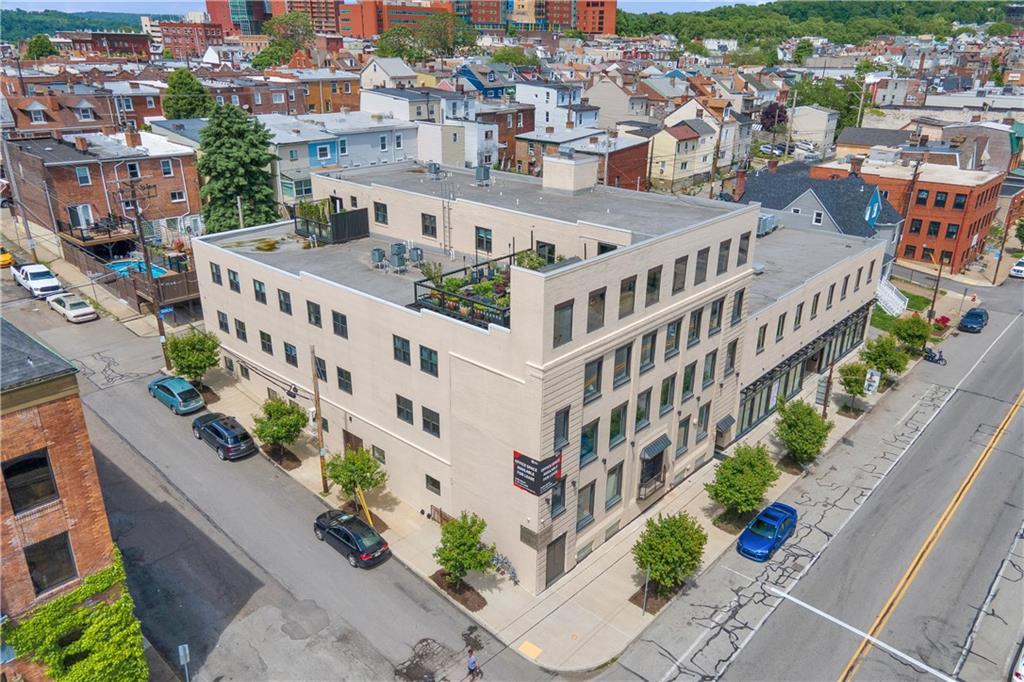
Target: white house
{"points": [[386, 72]]}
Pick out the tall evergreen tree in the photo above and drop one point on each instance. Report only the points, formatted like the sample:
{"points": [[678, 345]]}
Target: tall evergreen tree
{"points": [[186, 97], [234, 163]]}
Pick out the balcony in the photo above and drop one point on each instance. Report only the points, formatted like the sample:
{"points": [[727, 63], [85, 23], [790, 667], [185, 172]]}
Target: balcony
{"points": [[103, 231], [478, 294], [651, 485]]}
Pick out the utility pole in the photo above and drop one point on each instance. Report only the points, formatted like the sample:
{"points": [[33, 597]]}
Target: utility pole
{"points": [[319, 421], [789, 123], [153, 286], [828, 385], [12, 174], [935, 296], [999, 258], [238, 200], [714, 159], [860, 106]]}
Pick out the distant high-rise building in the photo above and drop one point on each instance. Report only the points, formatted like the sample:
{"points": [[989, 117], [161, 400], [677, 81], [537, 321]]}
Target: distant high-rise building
{"points": [[241, 16]]}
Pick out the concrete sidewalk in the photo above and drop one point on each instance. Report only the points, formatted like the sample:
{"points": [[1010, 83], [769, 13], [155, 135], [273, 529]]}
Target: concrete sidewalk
{"points": [[586, 619]]}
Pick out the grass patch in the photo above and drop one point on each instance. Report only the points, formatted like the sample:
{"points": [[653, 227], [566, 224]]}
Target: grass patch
{"points": [[733, 523], [916, 302], [1015, 253], [882, 320]]}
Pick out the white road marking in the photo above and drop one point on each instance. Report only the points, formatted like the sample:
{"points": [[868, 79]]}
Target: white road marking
{"points": [[749, 580], [860, 633], [677, 664]]}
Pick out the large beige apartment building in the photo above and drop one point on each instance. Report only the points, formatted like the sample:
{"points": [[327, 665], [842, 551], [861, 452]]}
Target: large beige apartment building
{"points": [[568, 400]]}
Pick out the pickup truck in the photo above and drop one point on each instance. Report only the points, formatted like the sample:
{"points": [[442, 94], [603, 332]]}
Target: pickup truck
{"points": [[37, 279]]}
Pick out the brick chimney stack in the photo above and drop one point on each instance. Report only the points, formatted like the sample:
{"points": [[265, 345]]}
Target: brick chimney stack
{"points": [[132, 138], [741, 184], [81, 144], [856, 163], [773, 165]]}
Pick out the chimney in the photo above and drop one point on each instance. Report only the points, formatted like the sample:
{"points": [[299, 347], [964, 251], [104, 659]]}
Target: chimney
{"points": [[856, 163], [613, 134], [741, 184], [773, 165], [1009, 121], [975, 118], [924, 141], [593, 139], [549, 130], [132, 138], [81, 144], [133, 85], [570, 124], [460, 88]]}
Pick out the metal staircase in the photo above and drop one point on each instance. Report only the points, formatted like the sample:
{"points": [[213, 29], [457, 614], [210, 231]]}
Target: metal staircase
{"points": [[890, 298]]}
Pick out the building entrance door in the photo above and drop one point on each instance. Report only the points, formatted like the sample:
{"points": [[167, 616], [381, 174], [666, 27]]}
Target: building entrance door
{"points": [[351, 441], [555, 560]]}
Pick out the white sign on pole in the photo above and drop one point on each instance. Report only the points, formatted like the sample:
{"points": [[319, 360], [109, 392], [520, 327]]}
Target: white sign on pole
{"points": [[871, 382]]}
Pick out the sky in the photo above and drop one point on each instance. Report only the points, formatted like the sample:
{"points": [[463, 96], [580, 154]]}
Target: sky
{"points": [[180, 6]]}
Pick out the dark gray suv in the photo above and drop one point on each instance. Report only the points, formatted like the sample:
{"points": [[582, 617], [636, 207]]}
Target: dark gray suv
{"points": [[224, 434]]}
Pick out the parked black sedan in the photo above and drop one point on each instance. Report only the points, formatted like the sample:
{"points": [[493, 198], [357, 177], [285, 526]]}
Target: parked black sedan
{"points": [[224, 434], [974, 320], [353, 537]]}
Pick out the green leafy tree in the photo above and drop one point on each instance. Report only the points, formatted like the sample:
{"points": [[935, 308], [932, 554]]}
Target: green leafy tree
{"points": [[401, 42], [462, 549], [193, 354], [913, 332], [1018, 231], [166, 53], [274, 54], [802, 51], [279, 423], [999, 29], [39, 47], [234, 162], [444, 34], [843, 97], [671, 548], [291, 29], [356, 470], [852, 376], [863, 67], [696, 48], [516, 56], [186, 97], [996, 71], [802, 430], [742, 480], [885, 355]]}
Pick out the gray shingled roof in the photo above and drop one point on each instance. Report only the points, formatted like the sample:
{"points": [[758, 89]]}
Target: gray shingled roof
{"points": [[25, 361], [873, 136]]}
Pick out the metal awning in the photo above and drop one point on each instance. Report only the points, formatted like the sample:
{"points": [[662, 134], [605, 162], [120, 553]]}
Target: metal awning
{"points": [[83, 104], [659, 444], [725, 423], [35, 106]]}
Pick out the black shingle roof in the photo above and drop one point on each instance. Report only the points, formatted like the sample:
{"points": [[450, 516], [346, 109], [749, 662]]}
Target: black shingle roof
{"points": [[25, 361]]}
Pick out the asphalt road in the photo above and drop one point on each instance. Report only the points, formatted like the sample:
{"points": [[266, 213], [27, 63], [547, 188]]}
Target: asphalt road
{"points": [[854, 577], [221, 555]]}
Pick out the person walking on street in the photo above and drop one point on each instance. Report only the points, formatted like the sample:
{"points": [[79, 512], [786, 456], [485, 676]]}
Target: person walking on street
{"points": [[473, 666]]}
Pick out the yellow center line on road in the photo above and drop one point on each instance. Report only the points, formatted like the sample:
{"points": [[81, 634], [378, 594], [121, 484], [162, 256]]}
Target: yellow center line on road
{"points": [[908, 577]]}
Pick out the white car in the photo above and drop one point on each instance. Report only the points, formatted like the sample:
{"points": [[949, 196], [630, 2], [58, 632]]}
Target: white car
{"points": [[1018, 269], [72, 307], [37, 279]]}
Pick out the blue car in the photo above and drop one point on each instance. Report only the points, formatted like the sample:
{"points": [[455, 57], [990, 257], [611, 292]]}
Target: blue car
{"points": [[767, 532], [177, 394], [974, 320]]}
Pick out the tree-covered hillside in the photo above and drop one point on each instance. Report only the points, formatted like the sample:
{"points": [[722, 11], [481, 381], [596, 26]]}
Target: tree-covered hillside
{"points": [[849, 21], [18, 24]]}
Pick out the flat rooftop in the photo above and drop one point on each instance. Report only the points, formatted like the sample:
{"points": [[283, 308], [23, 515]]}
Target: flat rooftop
{"points": [[345, 264], [644, 215], [929, 172], [792, 256]]}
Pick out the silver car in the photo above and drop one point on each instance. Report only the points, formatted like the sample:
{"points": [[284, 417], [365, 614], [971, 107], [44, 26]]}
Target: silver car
{"points": [[72, 307]]}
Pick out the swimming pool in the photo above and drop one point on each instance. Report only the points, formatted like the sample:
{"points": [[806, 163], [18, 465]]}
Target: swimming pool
{"points": [[122, 267]]}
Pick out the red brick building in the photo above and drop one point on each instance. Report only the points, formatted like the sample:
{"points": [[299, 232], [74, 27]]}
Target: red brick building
{"points": [[190, 40], [85, 109], [948, 211], [75, 185], [596, 16], [108, 43], [53, 519], [512, 118]]}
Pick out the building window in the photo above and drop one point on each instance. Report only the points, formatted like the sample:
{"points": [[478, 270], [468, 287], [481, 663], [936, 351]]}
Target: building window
{"points": [[846, 285], [620, 373], [428, 225], [922, 197], [37, 117], [617, 425], [703, 421], [715, 316], [323, 152], [378, 454], [342, 146], [730, 357], [133, 170], [382, 142], [952, 229], [84, 178], [585, 506], [592, 380], [291, 356], [647, 345], [613, 486], [818, 218], [927, 254], [222, 322], [340, 324], [710, 360], [915, 226], [313, 314], [743, 250], [259, 290], [483, 239], [588, 443], [672, 334], [344, 380], [723, 256], [277, 97], [561, 428], [693, 335], [166, 168], [959, 201], [293, 154], [762, 333], [940, 199], [679, 274], [683, 436], [780, 327], [817, 297], [399, 143], [229, 364], [30, 480], [933, 228], [177, 197], [653, 286], [831, 296], [798, 316], [871, 270], [643, 410], [856, 282], [562, 327], [240, 330], [400, 350], [689, 375], [50, 563], [266, 343], [558, 499], [433, 485], [431, 422], [321, 368], [380, 212], [428, 360], [404, 408], [595, 310], [284, 301], [233, 282], [737, 308], [668, 394], [702, 266]]}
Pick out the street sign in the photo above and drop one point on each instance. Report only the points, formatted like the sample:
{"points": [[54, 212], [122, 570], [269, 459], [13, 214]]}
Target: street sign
{"points": [[536, 476], [183, 655], [166, 310], [819, 397], [871, 382]]}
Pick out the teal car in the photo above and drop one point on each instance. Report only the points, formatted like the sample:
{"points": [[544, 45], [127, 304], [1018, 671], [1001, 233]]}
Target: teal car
{"points": [[177, 394]]}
